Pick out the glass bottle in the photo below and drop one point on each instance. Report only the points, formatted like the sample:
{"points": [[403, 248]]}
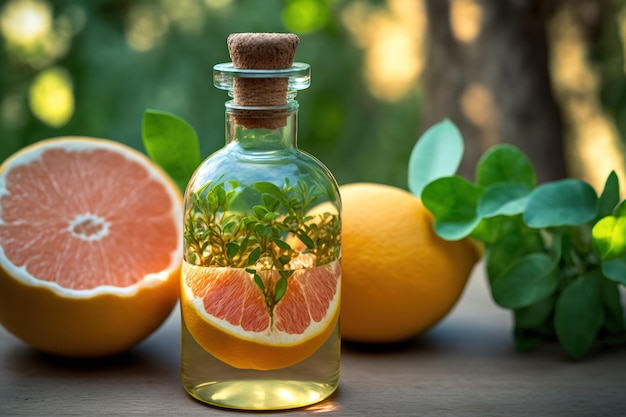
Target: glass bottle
{"points": [[261, 282]]}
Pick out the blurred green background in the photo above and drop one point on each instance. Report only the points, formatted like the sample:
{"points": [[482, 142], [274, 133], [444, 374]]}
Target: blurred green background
{"points": [[383, 71]]}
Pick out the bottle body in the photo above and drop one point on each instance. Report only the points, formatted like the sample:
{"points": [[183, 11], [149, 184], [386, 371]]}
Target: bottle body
{"points": [[261, 282]]}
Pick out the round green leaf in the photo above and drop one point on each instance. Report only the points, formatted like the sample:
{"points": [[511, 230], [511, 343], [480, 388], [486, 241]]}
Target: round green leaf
{"points": [[436, 154], [452, 200], [451, 230], [503, 199], [513, 244], [609, 237], [615, 269], [579, 314], [172, 143], [528, 280], [568, 202], [505, 164]]}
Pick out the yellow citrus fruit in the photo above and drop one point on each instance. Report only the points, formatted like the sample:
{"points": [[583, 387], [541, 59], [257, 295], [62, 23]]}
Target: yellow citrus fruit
{"points": [[227, 314], [399, 277], [90, 246]]}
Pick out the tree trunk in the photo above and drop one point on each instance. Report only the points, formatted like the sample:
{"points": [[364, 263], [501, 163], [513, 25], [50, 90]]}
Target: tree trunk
{"points": [[496, 87]]}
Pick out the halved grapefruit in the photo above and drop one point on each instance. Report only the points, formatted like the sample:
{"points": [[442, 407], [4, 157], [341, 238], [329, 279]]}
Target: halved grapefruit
{"points": [[90, 246], [226, 313]]}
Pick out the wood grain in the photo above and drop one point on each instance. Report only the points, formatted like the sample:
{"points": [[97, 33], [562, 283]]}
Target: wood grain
{"points": [[465, 366]]}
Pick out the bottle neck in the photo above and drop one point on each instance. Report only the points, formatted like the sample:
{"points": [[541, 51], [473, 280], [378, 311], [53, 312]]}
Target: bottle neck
{"points": [[262, 129]]}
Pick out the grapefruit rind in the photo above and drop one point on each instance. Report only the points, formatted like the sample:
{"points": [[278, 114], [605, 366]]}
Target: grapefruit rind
{"points": [[103, 324], [271, 349], [100, 321]]}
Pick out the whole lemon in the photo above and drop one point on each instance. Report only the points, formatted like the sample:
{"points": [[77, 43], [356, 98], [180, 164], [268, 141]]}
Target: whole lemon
{"points": [[399, 277]]}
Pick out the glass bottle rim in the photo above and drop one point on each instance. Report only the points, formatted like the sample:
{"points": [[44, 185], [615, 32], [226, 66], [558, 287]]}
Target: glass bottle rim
{"points": [[299, 75]]}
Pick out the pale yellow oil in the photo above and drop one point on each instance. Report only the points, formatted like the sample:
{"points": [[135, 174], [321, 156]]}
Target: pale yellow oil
{"points": [[210, 380]]}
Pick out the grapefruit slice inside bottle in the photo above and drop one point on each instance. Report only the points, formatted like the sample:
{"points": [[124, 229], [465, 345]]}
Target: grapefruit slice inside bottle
{"points": [[226, 313]]}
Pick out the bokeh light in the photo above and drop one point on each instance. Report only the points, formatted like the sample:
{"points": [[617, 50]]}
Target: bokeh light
{"points": [[33, 36], [465, 19], [146, 26], [51, 97], [25, 22], [392, 37], [186, 15], [305, 16]]}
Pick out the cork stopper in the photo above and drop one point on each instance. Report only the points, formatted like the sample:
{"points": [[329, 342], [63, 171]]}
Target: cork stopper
{"points": [[261, 51]]}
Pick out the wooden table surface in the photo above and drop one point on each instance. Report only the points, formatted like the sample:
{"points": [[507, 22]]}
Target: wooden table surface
{"points": [[465, 366]]}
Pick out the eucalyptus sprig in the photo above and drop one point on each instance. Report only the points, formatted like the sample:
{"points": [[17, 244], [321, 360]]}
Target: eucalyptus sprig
{"points": [[555, 252]]}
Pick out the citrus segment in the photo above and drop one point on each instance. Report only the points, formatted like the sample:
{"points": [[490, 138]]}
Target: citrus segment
{"points": [[220, 286], [227, 314], [90, 246]]}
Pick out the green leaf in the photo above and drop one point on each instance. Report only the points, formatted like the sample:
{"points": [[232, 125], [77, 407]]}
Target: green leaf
{"points": [[436, 154], [453, 201], [579, 314], [258, 281], [259, 211], [262, 230], [530, 279], [172, 144], [609, 198], [268, 187], [609, 237], [254, 256], [274, 191], [232, 249], [614, 322], [272, 215], [246, 198], [488, 230], [615, 269], [304, 238], [554, 246], [270, 202], [505, 164], [280, 289], [285, 274], [568, 202], [281, 243], [535, 314], [513, 244], [503, 199]]}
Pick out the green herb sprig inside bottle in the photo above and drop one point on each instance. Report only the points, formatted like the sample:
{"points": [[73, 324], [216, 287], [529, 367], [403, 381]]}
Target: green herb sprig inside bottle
{"points": [[261, 284]]}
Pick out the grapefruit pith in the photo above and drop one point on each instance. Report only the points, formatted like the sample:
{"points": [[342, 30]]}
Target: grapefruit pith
{"points": [[225, 312], [90, 246]]}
